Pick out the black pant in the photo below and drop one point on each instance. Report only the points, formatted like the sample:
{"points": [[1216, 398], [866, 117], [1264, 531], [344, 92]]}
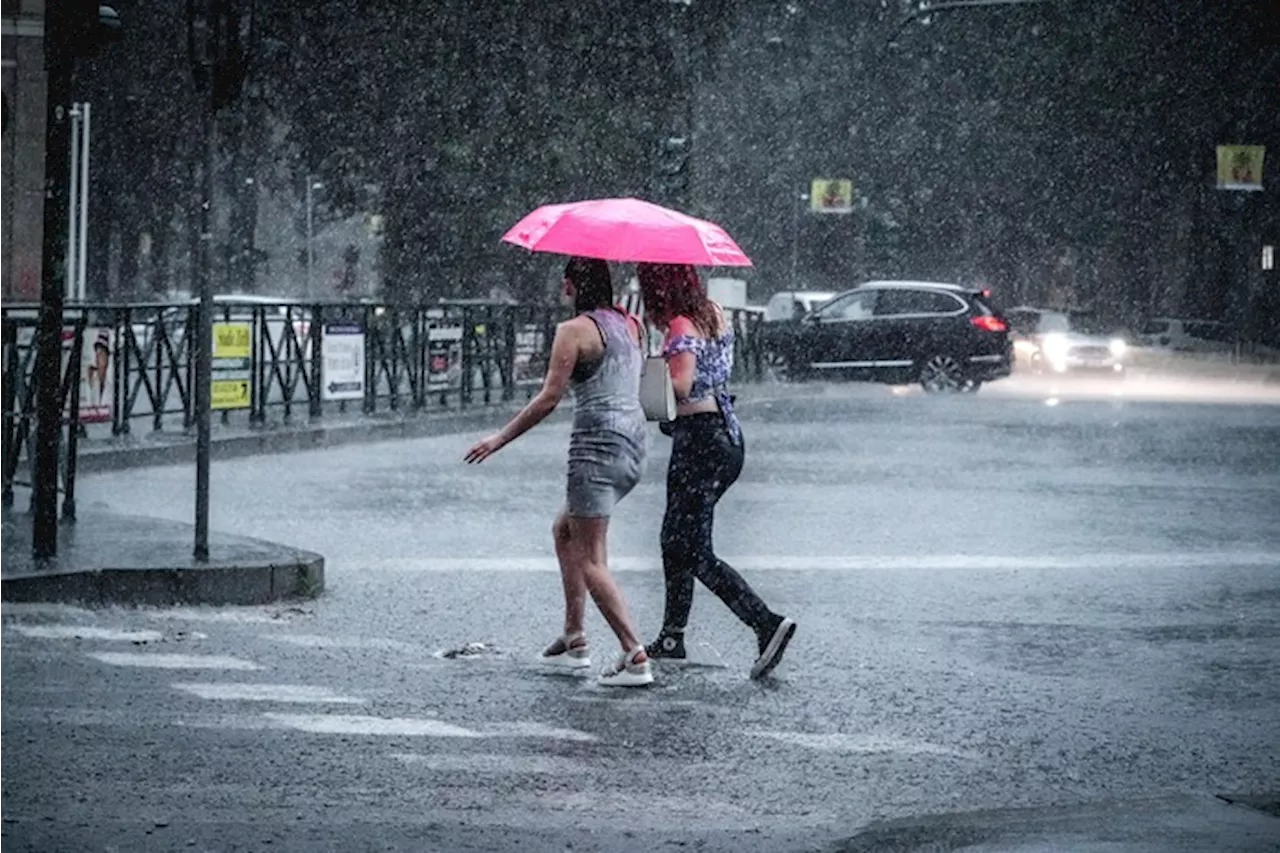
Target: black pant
{"points": [[705, 462]]}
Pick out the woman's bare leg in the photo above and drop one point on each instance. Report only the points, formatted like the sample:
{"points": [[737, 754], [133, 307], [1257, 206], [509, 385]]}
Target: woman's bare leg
{"points": [[575, 586], [588, 542]]}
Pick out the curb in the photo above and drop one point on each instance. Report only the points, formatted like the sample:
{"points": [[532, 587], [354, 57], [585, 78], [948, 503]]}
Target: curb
{"points": [[240, 584], [109, 559]]}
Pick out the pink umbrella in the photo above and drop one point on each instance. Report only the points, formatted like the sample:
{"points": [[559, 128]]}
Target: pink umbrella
{"points": [[627, 230]]}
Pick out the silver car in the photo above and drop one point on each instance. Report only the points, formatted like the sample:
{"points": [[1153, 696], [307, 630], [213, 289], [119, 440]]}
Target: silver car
{"points": [[1048, 341]]}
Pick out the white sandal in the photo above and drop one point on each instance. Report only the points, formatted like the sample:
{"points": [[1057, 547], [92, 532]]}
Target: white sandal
{"points": [[568, 651], [628, 672]]}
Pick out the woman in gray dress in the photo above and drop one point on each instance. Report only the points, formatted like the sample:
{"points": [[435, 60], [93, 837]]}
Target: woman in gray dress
{"points": [[598, 355]]}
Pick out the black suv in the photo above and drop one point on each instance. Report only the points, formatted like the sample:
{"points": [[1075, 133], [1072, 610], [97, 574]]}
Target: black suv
{"points": [[944, 336]]}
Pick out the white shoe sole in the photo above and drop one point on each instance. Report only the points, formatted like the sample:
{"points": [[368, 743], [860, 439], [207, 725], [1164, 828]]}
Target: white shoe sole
{"points": [[627, 678], [773, 652], [565, 661]]}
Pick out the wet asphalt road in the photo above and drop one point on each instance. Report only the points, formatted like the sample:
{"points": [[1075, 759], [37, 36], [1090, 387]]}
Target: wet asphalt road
{"points": [[1003, 604]]}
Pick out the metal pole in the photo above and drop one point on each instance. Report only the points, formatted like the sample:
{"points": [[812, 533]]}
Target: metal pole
{"points": [[83, 262], [795, 236], [310, 256], [59, 67], [203, 341], [73, 194]]}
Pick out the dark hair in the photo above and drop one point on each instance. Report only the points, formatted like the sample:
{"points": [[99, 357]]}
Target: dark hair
{"points": [[592, 283], [673, 290]]}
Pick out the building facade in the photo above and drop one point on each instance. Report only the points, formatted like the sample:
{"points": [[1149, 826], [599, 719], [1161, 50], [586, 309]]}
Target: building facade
{"points": [[22, 56]]}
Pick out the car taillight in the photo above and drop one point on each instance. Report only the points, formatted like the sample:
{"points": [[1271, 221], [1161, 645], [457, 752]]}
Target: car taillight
{"points": [[987, 323]]}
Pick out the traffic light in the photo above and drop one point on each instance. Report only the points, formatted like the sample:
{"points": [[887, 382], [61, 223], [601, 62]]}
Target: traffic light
{"points": [[673, 164], [88, 25]]}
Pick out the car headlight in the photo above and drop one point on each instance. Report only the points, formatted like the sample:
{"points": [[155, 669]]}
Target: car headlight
{"points": [[1118, 347], [1055, 347]]}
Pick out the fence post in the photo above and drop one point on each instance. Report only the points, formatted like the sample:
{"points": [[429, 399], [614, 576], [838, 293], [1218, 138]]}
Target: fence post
{"points": [[314, 338], [71, 387], [12, 372], [370, 369], [468, 345], [120, 362]]}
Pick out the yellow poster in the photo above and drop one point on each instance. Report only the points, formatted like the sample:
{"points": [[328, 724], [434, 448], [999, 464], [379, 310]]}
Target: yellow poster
{"points": [[1240, 167], [230, 394], [831, 196], [232, 340]]}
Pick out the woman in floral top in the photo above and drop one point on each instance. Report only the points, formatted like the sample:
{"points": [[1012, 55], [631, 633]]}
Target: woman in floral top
{"points": [[706, 459]]}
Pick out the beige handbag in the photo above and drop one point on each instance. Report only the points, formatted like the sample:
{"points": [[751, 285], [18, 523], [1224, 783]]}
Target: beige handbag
{"points": [[657, 395]]}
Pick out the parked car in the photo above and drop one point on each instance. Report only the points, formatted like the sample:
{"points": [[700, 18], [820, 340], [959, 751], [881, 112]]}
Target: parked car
{"points": [[1187, 335], [1065, 341], [944, 336], [794, 304]]}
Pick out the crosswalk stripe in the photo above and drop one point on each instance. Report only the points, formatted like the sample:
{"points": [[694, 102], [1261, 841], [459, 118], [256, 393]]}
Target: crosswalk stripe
{"points": [[538, 730], [490, 763], [319, 641], [859, 743], [85, 632], [352, 724], [161, 661], [292, 693]]}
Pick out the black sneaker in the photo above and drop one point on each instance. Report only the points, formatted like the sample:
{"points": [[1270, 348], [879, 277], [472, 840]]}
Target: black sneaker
{"points": [[666, 647], [772, 644]]}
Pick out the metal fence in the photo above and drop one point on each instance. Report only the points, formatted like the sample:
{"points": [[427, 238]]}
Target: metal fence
{"points": [[128, 367]]}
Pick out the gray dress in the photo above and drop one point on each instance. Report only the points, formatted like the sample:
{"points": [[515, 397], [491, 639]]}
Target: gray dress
{"points": [[610, 438]]}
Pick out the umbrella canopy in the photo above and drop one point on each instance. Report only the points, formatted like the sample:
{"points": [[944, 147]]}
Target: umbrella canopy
{"points": [[626, 230]]}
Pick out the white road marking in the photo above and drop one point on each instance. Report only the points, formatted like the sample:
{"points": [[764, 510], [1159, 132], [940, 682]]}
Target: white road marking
{"points": [[357, 724], [758, 563], [505, 765], [293, 693], [318, 641], [352, 724], [860, 743], [537, 730], [85, 632], [158, 661]]}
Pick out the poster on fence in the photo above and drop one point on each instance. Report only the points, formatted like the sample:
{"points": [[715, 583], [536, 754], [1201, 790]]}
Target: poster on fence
{"points": [[444, 356], [97, 379], [342, 375], [530, 355], [232, 366]]}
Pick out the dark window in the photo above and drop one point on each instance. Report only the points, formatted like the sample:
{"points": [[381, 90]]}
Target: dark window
{"points": [[852, 306], [1024, 322], [893, 302], [1155, 327]]}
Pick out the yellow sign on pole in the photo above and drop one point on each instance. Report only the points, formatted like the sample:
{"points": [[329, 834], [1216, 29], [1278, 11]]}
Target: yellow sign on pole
{"points": [[232, 340], [1240, 167], [831, 196], [231, 394], [231, 386]]}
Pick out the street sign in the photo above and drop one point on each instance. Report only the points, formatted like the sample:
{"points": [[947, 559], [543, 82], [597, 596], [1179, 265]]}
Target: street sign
{"points": [[444, 355], [1240, 167], [231, 386], [342, 377], [831, 196]]}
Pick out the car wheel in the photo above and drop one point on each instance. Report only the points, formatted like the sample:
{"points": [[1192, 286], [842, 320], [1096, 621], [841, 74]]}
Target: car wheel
{"points": [[942, 374]]}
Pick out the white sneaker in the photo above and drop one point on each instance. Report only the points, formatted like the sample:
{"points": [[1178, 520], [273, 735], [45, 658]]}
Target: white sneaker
{"points": [[567, 652], [628, 672]]}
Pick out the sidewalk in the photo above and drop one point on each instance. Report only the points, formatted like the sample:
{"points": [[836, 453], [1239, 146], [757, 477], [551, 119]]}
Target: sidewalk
{"points": [[106, 559]]}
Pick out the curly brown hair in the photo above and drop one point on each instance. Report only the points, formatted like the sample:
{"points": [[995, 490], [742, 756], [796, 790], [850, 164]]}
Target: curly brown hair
{"points": [[673, 290]]}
